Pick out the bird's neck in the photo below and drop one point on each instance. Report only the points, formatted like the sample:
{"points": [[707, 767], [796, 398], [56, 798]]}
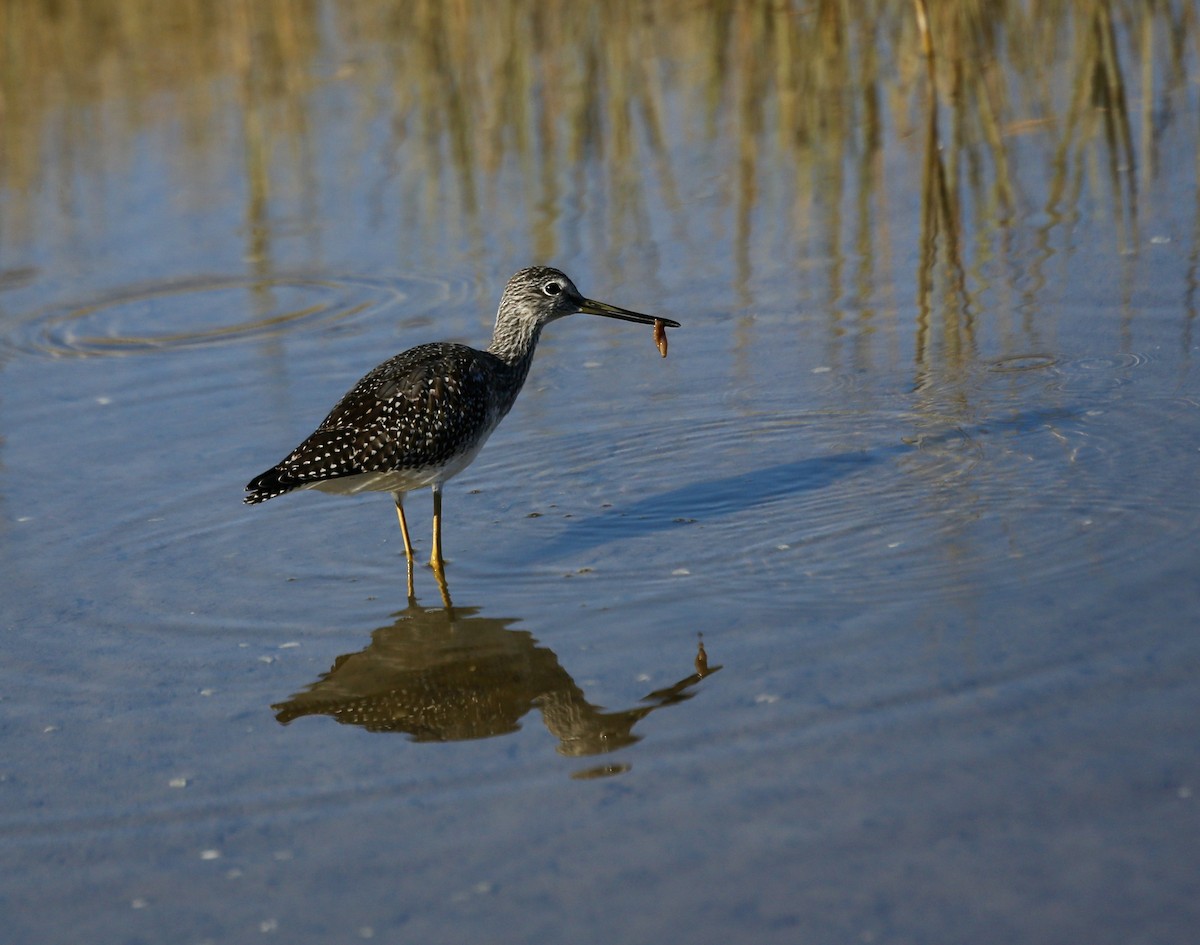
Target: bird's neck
{"points": [[513, 341]]}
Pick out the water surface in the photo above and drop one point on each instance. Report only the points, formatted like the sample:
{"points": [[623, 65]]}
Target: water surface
{"points": [[867, 615]]}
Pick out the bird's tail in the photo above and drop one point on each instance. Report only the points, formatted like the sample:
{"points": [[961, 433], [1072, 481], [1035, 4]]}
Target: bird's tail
{"points": [[268, 485]]}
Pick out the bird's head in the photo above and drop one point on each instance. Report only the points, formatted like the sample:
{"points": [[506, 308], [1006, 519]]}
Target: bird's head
{"points": [[541, 295]]}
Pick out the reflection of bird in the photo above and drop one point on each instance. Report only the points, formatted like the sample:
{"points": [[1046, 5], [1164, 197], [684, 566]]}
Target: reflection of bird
{"points": [[421, 417], [442, 674]]}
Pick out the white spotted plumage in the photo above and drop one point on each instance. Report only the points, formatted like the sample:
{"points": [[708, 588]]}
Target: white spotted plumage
{"points": [[421, 417]]}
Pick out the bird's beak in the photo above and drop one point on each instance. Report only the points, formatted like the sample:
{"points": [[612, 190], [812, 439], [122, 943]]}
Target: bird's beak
{"points": [[589, 307]]}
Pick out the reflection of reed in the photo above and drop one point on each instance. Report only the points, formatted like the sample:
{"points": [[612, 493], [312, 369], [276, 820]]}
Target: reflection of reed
{"points": [[447, 674], [1099, 102], [484, 95], [940, 232]]}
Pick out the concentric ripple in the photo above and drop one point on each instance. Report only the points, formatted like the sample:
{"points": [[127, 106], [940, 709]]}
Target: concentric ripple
{"points": [[210, 311], [1098, 374], [1028, 486], [1021, 363]]}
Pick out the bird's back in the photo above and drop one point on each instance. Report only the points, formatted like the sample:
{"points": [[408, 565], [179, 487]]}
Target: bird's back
{"points": [[416, 418]]}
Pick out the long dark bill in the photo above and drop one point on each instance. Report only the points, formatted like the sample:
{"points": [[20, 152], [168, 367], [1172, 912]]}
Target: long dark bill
{"points": [[590, 307]]}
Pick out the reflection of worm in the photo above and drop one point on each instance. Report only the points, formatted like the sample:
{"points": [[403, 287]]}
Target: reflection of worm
{"points": [[660, 336]]}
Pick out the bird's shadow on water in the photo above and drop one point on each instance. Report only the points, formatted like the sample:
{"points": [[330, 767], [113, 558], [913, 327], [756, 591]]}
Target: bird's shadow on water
{"points": [[736, 494], [697, 501], [440, 674]]}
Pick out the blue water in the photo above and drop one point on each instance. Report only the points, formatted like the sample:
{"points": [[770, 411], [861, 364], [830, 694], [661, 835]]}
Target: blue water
{"points": [[939, 547]]}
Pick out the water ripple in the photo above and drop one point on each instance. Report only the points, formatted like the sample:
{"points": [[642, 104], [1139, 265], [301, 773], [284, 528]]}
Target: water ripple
{"points": [[1020, 363], [872, 507], [1098, 374], [215, 310]]}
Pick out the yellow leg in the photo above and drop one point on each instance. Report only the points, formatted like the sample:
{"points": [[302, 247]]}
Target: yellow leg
{"points": [[435, 557], [408, 548], [445, 591]]}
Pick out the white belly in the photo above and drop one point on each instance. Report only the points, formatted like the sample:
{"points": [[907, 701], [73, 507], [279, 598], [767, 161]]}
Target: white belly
{"points": [[401, 480]]}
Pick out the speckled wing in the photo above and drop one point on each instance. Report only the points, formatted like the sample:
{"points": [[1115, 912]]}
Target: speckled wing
{"points": [[418, 410]]}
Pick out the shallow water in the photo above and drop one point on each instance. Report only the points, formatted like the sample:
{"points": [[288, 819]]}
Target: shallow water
{"points": [[867, 615]]}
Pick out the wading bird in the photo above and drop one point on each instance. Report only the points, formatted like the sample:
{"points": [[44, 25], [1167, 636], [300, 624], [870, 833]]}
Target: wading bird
{"points": [[421, 417]]}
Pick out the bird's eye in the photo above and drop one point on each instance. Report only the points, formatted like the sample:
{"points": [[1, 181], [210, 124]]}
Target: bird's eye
{"points": [[552, 288]]}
